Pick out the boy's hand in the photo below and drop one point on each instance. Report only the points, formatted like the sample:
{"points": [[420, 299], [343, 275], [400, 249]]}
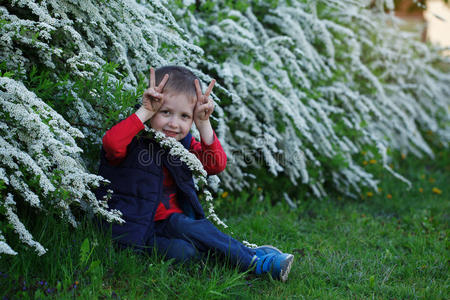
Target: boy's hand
{"points": [[205, 105], [152, 99], [203, 110]]}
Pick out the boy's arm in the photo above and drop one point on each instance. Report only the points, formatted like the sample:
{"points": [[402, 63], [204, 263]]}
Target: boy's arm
{"points": [[203, 110], [212, 156], [117, 139], [209, 151]]}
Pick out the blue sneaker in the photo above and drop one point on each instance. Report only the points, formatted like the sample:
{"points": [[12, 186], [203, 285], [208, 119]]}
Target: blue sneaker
{"points": [[279, 265], [266, 249]]}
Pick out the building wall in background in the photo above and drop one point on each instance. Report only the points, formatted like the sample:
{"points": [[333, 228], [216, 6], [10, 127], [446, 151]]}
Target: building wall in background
{"points": [[437, 17]]}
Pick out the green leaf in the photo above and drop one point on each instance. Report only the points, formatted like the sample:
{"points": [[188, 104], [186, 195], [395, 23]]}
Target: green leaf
{"points": [[84, 251], [372, 281], [8, 74], [94, 267]]}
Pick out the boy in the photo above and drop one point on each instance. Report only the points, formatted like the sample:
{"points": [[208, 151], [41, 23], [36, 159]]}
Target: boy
{"points": [[156, 193]]}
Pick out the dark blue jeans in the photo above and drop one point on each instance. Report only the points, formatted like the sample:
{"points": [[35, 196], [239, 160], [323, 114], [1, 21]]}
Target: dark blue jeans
{"points": [[183, 238]]}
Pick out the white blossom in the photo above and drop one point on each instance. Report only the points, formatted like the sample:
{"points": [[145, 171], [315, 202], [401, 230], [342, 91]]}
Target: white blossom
{"points": [[19, 228], [4, 247]]}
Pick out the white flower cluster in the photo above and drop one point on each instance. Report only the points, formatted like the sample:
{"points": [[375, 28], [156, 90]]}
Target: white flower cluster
{"points": [[320, 75], [39, 160], [19, 228], [4, 247]]}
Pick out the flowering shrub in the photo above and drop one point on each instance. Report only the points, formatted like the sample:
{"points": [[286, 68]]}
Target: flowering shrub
{"points": [[40, 162], [315, 83], [306, 90], [60, 51]]}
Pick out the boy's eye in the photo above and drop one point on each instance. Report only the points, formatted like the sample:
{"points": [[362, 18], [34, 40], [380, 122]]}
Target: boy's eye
{"points": [[164, 112], [185, 116]]}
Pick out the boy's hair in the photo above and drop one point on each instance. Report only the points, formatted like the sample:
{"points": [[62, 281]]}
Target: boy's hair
{"points": [[181, 80]]}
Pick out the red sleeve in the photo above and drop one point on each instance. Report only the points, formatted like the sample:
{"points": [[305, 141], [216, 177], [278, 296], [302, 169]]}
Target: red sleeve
{"points": [[117, 139], [212, 157]]}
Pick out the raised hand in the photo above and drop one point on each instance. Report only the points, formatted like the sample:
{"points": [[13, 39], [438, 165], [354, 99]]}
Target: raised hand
{"points": [[152, 99], [205, 105]]}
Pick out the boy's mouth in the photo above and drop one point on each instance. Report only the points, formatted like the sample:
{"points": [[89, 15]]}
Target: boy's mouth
{"points": [[170, 133]]}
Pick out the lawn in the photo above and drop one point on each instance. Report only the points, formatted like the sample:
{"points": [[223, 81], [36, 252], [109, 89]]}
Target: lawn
{"points": [[387, 245]]}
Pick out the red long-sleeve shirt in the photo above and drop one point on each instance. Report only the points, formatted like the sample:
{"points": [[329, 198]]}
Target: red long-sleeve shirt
{"points": [[117, 139]]}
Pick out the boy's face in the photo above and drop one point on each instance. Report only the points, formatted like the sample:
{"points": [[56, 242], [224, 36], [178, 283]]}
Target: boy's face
{"points": [[175, 116]]}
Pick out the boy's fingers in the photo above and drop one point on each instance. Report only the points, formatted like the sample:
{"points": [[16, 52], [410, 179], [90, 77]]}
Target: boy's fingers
{"points": [[207, 108], [198, 90], [147, 95], [152, 78], [152, 94], [163, 82], [210, 87], [156, 95], [157, 103]]}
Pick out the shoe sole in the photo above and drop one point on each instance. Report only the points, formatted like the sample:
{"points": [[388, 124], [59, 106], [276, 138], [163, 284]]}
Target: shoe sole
{"points": [[285, 272]]}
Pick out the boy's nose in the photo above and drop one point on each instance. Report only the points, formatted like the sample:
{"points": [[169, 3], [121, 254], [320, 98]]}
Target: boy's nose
{"points": [[172, 123]]}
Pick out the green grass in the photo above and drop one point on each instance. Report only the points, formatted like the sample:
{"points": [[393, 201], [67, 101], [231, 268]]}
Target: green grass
{"points": [[344, 248]]}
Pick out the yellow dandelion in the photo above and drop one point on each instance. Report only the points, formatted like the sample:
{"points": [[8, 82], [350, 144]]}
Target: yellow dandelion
{"points": [[431, 180], [389, 196], [420, 190], [403, 155], [380, 189], [422, 176], [363, 152], [364, 162], [259, 189], [436, 191], [224, 194], [373, 161], [369, 194]]}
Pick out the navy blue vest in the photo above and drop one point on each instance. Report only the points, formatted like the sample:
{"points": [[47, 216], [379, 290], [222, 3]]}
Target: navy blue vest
{"points": [[137, 184]]}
